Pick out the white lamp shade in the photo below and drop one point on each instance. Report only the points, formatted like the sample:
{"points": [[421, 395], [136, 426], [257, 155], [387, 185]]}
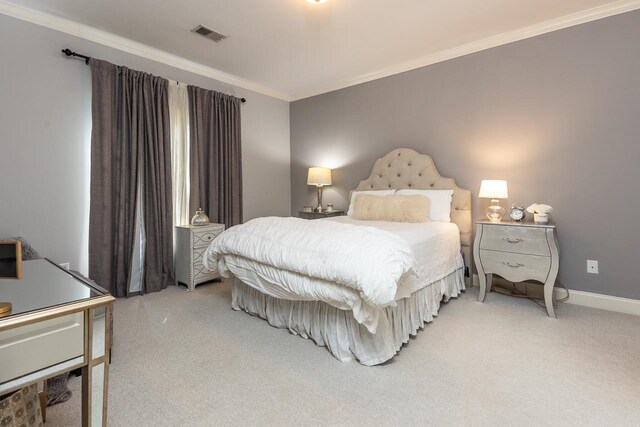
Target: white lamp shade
{"points": [[493, 189], [319, 176]]}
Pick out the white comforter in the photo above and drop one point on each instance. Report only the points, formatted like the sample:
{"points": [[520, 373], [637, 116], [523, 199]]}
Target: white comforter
{"points": [[368, 260], [435, 247]]}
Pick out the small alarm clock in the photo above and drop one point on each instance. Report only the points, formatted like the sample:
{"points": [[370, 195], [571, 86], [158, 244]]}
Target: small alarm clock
{"points": [[517, 213]]}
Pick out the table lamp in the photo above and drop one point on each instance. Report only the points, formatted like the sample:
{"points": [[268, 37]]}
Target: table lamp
{"points": [[494, 189], [319, 177]]}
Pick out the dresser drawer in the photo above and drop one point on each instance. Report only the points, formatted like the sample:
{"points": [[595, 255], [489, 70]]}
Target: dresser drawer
{"points": [[29, 348], [524, 240], [205, 237], [515, 267]]}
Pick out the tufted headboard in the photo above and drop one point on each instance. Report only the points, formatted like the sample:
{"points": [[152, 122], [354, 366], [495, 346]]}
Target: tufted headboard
{"points": [[405, 168]]}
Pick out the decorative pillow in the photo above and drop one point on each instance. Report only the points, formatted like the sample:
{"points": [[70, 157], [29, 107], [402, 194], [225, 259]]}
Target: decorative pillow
{"points": [[355, 194], [21, 408], [391, 208], [440, 202]]}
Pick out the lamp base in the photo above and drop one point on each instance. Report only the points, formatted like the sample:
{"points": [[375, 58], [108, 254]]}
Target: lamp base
{"points": [[319, 193], [495, 212]]}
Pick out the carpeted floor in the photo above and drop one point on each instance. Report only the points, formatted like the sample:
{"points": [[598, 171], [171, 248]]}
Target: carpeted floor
{"points": [[188, 359]]}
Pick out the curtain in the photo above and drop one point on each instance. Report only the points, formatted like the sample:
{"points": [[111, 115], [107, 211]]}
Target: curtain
{"points": [[179, 117], [215, 165], [130, 161]]}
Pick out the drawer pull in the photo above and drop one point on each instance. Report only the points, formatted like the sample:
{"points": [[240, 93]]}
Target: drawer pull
{"points": [[512, 240], [512, 265]]}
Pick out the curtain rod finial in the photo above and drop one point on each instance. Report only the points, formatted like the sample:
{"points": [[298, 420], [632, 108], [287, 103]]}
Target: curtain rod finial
{"points": [[69, 52]]}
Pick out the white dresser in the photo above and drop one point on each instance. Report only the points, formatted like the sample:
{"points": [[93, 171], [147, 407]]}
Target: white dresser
{"points": [[517, 251], [191, 242]]}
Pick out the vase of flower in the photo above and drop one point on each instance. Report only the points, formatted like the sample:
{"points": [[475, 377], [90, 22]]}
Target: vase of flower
{"points": [[540, 213], [541, 218]]}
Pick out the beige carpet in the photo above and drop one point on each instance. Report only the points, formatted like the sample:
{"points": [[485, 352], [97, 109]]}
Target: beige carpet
{"points": [[188, 359]]}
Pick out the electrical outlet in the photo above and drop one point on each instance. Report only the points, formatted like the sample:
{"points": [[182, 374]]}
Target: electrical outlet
{"points": [[65, 265], [592, 266]]}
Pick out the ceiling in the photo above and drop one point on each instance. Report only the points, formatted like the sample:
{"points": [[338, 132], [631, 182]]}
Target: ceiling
{"points": [[294, 49]]}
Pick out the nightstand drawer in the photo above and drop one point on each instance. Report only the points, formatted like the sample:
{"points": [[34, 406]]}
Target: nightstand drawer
{"points": [[205, 237], [515, 267], [199, 266], [198, 254], [524, 240], [202, 272]]}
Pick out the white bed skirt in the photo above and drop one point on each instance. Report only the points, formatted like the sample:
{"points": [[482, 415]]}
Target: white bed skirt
{"points": [[337, 329]]}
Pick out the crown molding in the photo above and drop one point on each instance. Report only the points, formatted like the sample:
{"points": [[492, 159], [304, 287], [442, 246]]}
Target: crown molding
{"points": [[126, 45], [555, 24]]}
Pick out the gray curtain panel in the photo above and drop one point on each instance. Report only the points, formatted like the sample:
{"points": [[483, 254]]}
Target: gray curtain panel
{"points": [[130, 141], [215, 155]]}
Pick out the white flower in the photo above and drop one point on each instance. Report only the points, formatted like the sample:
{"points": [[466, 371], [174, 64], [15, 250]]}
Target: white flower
{"points": [[538, 208]]}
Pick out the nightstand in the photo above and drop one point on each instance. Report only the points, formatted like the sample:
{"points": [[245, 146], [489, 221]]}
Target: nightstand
{"points": [[191, 242], [517, 251], [318, 215]]}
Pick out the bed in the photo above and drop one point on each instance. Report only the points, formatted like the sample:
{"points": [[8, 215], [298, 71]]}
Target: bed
{"points": [[306, 296]]}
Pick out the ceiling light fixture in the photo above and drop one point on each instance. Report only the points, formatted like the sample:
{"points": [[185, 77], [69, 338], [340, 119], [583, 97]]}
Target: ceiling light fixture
{"points": [[316, 1]]}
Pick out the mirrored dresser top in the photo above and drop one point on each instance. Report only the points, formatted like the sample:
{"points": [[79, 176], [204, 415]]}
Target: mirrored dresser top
{"points": [[43, 285]]}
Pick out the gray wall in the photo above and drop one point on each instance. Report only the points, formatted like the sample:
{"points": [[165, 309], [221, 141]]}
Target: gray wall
{"points": [[558, 116], [45, 125]]}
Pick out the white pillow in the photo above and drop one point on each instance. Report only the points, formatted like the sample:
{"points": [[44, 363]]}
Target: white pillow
{"points": [[391, 208], [440, 202], [372, 193]]}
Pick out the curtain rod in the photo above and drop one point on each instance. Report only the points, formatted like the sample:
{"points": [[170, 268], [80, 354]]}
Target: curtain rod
{"points": [[69, 52]]}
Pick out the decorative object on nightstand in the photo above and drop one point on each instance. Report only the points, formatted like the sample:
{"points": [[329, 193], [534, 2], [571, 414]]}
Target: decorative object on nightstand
{"points": [[517, 213], [319, 215], [540, 212], [494, 189], [191, 242], [200, 218], [517, 251], [319, 177]]}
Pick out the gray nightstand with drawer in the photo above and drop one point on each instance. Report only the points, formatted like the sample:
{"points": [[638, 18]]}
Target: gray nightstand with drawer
{"points": [[517, 251], [191, 242]]}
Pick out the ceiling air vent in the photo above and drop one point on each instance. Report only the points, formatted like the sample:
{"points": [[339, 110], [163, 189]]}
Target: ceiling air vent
{"points": [[209, 33]]}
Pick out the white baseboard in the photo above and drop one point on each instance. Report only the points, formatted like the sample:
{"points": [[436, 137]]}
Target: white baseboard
{"points": [[601, 301], [593, 300]]}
